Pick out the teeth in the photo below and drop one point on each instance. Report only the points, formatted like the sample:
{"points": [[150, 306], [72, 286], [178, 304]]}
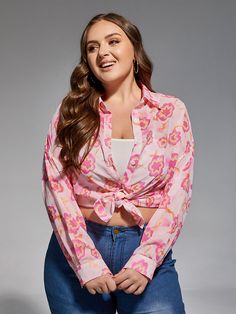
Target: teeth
{"points": [[107, 64]]}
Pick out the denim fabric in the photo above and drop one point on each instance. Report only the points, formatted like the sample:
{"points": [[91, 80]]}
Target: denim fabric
{"points": [[65, 295]]}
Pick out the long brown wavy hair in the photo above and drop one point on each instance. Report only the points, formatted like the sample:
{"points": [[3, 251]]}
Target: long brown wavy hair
{"points": [[79, 120]]}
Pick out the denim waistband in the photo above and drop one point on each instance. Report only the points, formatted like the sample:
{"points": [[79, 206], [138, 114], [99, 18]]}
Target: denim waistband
{"points": [[105, 229]]}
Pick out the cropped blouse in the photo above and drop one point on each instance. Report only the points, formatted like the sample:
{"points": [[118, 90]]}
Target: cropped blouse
{"points": [[159, 174]]}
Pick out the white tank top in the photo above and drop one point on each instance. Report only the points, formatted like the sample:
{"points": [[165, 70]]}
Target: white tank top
{"points": [[121, 151]]}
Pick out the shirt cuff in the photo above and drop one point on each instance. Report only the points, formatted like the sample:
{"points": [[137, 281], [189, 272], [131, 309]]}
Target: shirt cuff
{"points": [[91, 270], [143, 264]]}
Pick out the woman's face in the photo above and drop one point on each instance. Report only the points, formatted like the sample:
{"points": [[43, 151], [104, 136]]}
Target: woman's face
{"points": [[108, 43]]}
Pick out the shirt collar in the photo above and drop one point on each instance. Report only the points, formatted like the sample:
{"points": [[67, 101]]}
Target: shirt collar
{"points": [[146, 99]]}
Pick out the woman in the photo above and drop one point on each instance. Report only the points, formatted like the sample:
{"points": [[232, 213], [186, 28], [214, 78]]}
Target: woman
{"points": [[117, 181]]}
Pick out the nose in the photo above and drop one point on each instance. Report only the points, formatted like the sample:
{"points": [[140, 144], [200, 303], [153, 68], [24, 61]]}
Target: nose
{"points": [[103, 50]]}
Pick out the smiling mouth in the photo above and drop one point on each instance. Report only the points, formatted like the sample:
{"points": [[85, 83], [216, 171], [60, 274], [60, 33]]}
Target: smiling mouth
{"points": [[107, 65]]}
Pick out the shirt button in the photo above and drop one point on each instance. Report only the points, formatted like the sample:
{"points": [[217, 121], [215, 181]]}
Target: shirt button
{"points": [[133, 162], [116, 231]]}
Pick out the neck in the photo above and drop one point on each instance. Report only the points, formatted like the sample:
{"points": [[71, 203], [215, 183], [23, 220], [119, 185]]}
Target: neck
{"points": [[125, 93]]}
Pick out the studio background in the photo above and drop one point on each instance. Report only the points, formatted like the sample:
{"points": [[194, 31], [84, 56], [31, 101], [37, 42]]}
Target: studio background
{"points": [[193, 48]]}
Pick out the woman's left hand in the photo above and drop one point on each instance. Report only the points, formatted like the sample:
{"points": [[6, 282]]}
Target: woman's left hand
{"points": [[131, 281]]}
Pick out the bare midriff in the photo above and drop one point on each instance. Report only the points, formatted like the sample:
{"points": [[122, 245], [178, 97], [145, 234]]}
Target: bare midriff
{"points": [[120, 216]]}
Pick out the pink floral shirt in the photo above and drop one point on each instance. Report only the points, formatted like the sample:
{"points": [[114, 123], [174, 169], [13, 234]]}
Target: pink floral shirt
{"points": [[159, 174]]}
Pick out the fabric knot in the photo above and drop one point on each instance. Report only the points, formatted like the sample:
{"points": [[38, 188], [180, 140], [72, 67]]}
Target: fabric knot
{"points": [[118, 197], [105, 206]]}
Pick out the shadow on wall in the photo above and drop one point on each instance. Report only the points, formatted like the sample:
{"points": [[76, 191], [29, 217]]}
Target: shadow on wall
{"points": [[23, 304]]}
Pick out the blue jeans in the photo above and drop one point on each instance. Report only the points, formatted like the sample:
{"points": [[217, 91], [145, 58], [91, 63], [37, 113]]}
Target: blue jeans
{"points": [[162, 294]]}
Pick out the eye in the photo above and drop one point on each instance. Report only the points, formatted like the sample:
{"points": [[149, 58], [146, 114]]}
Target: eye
{"points": [[112, 42], [116, 41], [90, 48]]}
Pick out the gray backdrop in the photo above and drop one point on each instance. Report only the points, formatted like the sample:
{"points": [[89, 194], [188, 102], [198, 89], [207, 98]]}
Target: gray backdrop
{"points": [[192, 45]]}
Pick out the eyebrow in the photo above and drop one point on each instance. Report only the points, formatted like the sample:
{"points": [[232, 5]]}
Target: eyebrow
{"points": [[109, 35]]}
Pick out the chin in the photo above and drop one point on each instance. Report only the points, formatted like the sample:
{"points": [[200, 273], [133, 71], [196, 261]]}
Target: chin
{"points": [[112, 79]]}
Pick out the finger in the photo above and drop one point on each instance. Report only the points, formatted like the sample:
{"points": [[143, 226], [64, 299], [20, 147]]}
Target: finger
{"points": [[111, 285], [105, 288], [120, 278], [139, 291], [92, 291], [99, 290], [120, 272], [131, 289], [125, 284]]}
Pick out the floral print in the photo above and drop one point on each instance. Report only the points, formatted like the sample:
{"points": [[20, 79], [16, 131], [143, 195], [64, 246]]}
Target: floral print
{"points": [[159, 174]]}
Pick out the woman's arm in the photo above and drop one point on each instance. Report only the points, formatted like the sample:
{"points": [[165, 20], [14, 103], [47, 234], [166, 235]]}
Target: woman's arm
{"points": [[164, 227], [65, 215]]}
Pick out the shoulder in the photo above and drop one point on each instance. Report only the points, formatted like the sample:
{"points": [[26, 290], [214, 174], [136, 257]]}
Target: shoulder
{"points": [[164, 100], [52, 127], [170, 107], [55, 117]]}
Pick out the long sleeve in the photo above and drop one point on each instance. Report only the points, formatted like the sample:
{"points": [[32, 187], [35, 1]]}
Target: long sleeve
{"points": [[65, 215], [165, 225]]}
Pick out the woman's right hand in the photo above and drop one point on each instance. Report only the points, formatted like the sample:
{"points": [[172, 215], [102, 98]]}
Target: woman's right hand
{"points": [[101, 284]]}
